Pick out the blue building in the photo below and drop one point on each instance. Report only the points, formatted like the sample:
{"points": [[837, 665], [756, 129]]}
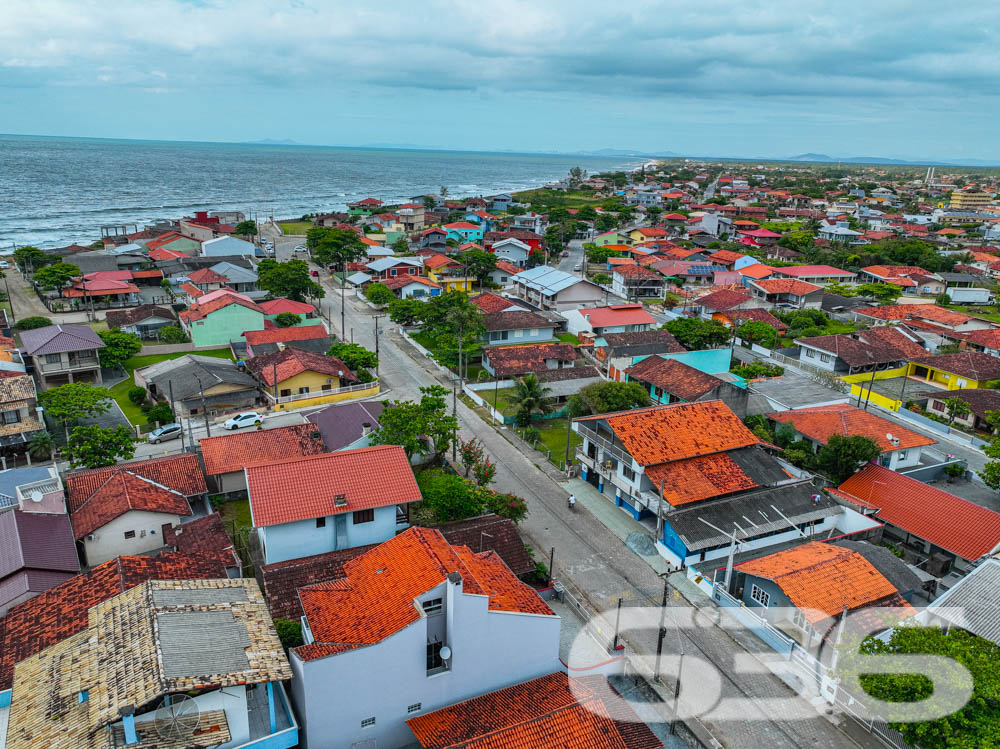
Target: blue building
{"points": [[320, 503]]}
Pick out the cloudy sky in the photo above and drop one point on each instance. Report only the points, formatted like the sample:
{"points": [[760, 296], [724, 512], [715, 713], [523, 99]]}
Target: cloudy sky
{"points": [[773, 79]]}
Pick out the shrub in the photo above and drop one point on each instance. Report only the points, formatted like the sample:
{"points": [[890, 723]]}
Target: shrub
{"points": [[137, 395], [160, 412], [287, 320], [172, 334], [602, 278], [447, 496], [289, 632], [31, 323], [532, 435], [954, 470], [379, 293]]}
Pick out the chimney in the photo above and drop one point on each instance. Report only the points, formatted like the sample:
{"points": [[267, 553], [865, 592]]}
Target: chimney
{"points": [[366, 429], [281, 346]]}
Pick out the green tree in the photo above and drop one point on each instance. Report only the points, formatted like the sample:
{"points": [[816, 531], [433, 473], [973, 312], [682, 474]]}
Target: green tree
{"points": [[289, 633], [172, 334], [287, 320], [69, 403], [977, 724], [447, 496], [696, 335], [336, 247], [41, 446], [956, 407], [653, 213], [118, 348], [137, 395], [842, 455], [885, 293], [159, 412], [95, 447], [354, 356], [841, 289], [30, 258], [462, 328], [246, 229], [991, 471], [587, 213], [599, 255], [289, 279], [31, 323], [479, 265], [418, 428], [56, 276], [754, 331], [605, 397], [407, 311], [401, 246], [167, 287], [530, 397], [379, 294]]}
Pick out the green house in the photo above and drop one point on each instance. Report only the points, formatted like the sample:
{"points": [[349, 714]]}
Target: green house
{"points": [[222, 320]]}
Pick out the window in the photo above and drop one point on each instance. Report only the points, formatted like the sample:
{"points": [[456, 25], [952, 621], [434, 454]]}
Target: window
{"points": [[901, 455], [303, 390], [799, 620], [286, 392], [810, 353], [321, 522], [628, 473], [368, 722], [393, 272], [825, 358], [519, 333], [414, 708], [53, 358], [364, 516], [327, 386], [83, 696], [129, 534], [938, 406], [759, 595], [432, 606], [534, 332], [11, 417], [434, 660], [961, 383]]}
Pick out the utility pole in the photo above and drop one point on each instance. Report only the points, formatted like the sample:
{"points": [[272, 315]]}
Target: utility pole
{"points": [[454, 413], [569, 429], [618, 619], [204, 410], [170, 393], [662, 632], [377, 318]]}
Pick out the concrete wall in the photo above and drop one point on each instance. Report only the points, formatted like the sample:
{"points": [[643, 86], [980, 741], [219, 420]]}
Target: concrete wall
{"points": [[490, 650], [110, 542], [525, 335], [303, 538]]}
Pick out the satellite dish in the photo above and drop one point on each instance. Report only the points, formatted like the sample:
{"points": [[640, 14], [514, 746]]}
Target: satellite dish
{"points": [[36, 496], [177, 718], [445, 653]]}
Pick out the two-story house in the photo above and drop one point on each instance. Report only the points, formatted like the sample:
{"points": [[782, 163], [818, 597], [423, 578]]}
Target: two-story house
{"points": [[448, 273], [222, 319], [901, 447], [513, 250], [788, 293], [616, 318], [673, 381], [517, 326], [689, 462], [722, 305], [463, 231], [414, 612], [62, 354], [636, 282], [336, 505], [19, 418], [555, 290]]}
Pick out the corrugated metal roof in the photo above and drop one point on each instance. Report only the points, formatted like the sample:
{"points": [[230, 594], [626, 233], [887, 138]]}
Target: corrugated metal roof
{"points": [[974, 602]]}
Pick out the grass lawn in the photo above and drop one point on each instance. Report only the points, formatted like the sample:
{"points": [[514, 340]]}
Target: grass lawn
{"points": [[542, 199], [295, 227], [553, 433], [237, 511], [568, 338], [120, 391], [986, 313]]}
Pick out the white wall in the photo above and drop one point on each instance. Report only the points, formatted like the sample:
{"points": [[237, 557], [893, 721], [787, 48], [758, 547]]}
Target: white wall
{"points": [[303, 538], [491, 650], [821, 359], [110, 542]]}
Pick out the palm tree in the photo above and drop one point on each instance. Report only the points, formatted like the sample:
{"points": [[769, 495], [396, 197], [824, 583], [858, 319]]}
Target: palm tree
{"points": [[41, 446], [530, 398], [461, 320]]}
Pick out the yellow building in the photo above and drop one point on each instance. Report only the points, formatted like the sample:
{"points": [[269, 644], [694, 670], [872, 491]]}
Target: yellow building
{"points": [[966, 369], [448, 273], [293, 378], [970, 201]]}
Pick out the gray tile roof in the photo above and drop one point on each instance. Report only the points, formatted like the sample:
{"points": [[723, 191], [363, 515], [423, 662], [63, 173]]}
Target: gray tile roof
{"points": [[186, 371], [54, 339], [40, 541], [974, 602]]}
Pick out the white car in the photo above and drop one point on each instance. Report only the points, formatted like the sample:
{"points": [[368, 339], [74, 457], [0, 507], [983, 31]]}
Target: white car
{"points": [[301, 248], [246, 419], [4, 264]]}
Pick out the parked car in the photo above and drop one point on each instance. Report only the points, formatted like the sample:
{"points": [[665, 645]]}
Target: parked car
{"points": [[300, 248], [314, 273], [4, 264], [565, 253], [577, 267], [245, 419], [164, 433]]}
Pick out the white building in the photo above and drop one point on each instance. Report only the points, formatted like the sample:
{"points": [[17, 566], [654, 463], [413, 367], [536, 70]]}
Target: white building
{"points": [[840, 232], [553, 289], [414, 625], [226, 246], [512, 250]]}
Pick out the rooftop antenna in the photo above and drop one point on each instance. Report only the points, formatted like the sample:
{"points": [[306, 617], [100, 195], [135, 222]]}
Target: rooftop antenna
{"points": [[177, 718]]}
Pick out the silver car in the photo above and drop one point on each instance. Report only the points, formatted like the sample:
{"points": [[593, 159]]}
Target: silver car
{"points": [[165, 432]]}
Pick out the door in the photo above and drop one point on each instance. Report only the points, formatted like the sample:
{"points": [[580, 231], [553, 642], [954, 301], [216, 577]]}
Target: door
{"points": [[340, 531]]}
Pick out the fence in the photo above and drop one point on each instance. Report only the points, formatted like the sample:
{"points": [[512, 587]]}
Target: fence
{"points": [[937, 426], [778, 640]]}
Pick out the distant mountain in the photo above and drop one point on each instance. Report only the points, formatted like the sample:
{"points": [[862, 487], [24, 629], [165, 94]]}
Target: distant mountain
{"points": [[811, 157], [823, 158]]}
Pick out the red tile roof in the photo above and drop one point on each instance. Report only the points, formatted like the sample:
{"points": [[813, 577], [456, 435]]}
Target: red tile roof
{"points": [[277, 306], [674, 377], [618, 314], [283, 335], [821, 422], [121, 493], [787, 286], [303, 488], [182, 473], [947, 521], [637, 271], [757, 270], [551, 712], [207, 275], [695, 479], [205, 536], [725, 256], [281, 581], [659, 434], [757, 314], [811, 271], [652, 231], [491, 533], [515, 319], [376, 596], [199, 311], [439, 261], [508, 267], [399, 282], [973, 365], [491, 302], [165, 253], [723, 300], [62, 611], [233, 452], [821, 579], [879, 345], [518, 360], [281, 365]]}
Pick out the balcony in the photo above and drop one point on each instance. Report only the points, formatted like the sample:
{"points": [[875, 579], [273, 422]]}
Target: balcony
{"points": [[606, 446], [81, 362], [361, 386]]}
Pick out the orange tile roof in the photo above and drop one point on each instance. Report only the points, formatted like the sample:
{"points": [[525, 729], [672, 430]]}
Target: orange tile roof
{"points": [[282, 335], [283, 364], [725, 256], [277, 306], [787, 286], [190, 289], [489, 302], [199, 311], [550, 712], [121, 493], [233, 452], [821, 422], [508, 267], [303, 488], [660, 434], [376, 596], [398, 282], [673, 377], [757, 270], [439, 261], [953, 523], [695, 479], [821, 579], [182, 473]]}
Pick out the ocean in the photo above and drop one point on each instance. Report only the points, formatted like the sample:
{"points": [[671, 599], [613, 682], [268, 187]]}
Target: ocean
{"points": [[55, 191]]}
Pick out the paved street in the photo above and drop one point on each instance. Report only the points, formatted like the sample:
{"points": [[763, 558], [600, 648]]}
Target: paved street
{"points": [[597, 566]]}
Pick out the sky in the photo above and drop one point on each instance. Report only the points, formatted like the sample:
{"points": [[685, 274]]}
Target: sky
{"points": [[893, 78]]}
